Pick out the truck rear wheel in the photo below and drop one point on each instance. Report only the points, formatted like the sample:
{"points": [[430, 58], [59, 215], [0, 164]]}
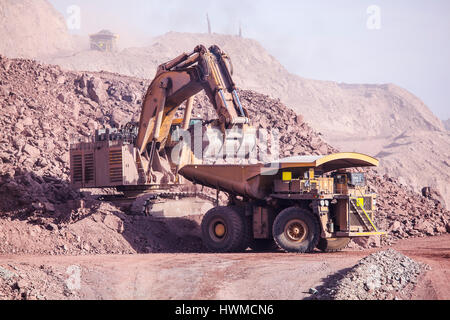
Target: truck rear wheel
{"points": [[296, 230], [332, 244], [224, 230]]}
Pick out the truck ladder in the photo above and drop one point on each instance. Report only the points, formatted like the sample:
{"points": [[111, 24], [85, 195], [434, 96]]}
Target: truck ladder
{"points": [[362, 214]]}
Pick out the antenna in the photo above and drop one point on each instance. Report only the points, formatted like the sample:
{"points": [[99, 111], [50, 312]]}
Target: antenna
{"points": [[209, 23]]}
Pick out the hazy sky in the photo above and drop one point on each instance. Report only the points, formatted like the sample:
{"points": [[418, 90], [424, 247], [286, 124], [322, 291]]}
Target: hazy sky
{"points": [[317, 39]]}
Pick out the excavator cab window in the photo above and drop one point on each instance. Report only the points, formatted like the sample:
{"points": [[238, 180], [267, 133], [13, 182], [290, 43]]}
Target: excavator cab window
{"points": [[176, 124], [194, 122]]}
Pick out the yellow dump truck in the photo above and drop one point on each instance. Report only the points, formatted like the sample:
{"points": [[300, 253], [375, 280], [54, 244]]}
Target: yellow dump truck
{"points": [[299, 203]]}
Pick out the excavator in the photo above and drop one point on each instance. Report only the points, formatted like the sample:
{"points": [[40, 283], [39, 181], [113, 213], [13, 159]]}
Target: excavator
{"points": [[133, 155], [296, 204]]}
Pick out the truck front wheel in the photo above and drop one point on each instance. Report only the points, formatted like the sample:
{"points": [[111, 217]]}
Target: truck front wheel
{"points": [[224, 230], [296, 230]]}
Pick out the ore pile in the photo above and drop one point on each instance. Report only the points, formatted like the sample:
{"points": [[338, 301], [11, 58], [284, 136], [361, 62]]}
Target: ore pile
{"points": [[404, 213], [385, 275]]}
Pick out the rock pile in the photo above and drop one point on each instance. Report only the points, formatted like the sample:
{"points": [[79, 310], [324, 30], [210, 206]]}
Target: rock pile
{"points": [[43, 108], [296, 137], [385, 275], [94, 227], [403, 213], [26, 282]]}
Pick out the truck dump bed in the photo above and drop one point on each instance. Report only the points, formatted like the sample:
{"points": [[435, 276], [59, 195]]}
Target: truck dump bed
{"points": [[256, 181]]}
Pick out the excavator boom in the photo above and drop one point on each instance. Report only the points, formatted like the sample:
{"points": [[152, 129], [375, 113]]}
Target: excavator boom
{"points": [[180, 79]]}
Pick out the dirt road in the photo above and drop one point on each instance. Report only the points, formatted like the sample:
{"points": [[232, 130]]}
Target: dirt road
{"points": [[226, 276]]}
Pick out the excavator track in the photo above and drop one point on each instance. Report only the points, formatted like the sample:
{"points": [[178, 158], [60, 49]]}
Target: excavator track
{"points": [[143, 204]]}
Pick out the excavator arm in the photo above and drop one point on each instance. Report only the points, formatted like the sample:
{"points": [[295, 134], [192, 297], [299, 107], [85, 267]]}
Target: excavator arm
{"points": [[179, 80]]}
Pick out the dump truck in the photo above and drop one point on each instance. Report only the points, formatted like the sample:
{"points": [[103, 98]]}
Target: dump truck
{"points": [[297, 203]]}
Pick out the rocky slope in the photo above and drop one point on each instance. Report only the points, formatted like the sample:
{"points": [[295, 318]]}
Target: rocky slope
{"points": [[371, 110], [351, 116], [44, 108], [32, 28], [447, 124]]}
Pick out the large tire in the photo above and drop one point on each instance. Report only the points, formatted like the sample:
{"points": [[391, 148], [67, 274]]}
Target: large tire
{"points": [[296, 230], [224, 230], [332, 244]]}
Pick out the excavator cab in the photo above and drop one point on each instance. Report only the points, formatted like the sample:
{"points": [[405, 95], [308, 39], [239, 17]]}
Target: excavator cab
{"points": [[177, 125]]}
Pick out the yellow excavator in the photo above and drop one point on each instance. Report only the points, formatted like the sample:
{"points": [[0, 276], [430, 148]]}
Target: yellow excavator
{"points": [[298, 203], [136, 157]]}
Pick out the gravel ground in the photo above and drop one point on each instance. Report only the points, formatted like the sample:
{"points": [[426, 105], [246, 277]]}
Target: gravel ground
{"points": [[266, 276]]}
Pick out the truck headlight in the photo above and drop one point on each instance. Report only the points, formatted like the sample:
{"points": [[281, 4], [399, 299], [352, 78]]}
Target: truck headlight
{"points": [[327, 203], [322, 203]]}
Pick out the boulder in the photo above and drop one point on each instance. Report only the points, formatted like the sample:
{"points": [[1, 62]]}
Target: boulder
{"points": [[49, 207], [31, 151], [96, 90], [432, 193], [61, 97], [27, 121]]}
